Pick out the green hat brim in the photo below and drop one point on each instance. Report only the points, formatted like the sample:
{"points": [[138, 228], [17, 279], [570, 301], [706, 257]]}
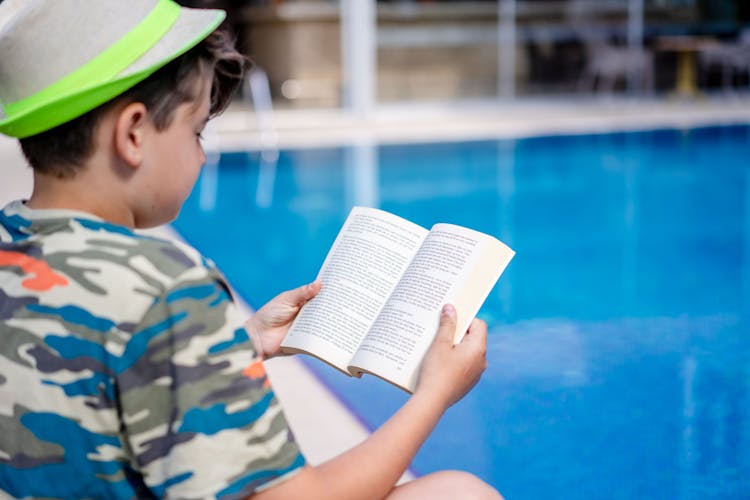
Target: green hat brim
{"points": [[58, 109]]}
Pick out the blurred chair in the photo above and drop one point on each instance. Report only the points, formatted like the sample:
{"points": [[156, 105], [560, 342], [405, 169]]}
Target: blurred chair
{"points": [[733, 58], [607, 63]]}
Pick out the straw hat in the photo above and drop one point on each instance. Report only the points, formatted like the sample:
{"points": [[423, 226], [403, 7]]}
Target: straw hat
{"points": [[62, 58]]}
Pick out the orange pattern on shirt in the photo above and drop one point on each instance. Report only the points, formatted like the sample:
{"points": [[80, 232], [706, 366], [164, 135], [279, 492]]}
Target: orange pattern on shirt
{"points": [[43, 277], [255, 371]]}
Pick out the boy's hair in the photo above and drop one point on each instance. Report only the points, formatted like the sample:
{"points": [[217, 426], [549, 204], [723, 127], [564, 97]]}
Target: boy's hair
{"points": [[61, 151]]}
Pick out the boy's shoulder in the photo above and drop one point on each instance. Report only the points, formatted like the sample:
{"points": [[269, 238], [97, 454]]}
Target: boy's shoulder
{"points": [[99, 254]]}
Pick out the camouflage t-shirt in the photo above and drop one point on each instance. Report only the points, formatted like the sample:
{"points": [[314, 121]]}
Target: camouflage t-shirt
{"points": [[125, 370]]}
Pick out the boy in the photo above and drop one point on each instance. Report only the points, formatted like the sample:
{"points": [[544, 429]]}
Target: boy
{"points": [[124, 369]]}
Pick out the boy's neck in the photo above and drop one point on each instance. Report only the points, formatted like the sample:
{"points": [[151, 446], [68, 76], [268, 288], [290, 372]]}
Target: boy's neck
{"points": [[81, 195]]}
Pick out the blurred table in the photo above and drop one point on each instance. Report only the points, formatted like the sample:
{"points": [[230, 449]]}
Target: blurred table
{"points": [[686, 47]]}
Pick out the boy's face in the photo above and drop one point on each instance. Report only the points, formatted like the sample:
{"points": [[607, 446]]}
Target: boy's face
{"points": [[174, 157]]}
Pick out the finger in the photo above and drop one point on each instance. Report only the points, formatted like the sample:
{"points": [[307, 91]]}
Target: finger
{"points": [[447, 327], [476, 336], [477, 328]]}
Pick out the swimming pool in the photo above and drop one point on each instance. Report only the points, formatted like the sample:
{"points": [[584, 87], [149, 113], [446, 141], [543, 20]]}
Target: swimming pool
{"points": [[619, 344]]}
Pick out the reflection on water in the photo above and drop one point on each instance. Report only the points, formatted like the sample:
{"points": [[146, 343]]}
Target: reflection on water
{"points": [[656, 406], [619, 333]]}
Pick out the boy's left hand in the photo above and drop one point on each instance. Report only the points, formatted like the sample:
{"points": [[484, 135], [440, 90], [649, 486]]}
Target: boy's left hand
{"points": [[268, 326]]}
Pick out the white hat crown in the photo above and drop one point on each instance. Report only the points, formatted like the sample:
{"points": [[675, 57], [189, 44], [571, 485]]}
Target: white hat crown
{"points": [[68, 56], [50, 39]]}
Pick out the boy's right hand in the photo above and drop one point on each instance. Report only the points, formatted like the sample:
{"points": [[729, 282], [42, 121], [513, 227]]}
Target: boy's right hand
{"points": [[450, 371]]}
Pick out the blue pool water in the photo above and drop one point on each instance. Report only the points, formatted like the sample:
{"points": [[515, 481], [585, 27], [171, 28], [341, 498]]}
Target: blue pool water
{"points": [[619, 346]]}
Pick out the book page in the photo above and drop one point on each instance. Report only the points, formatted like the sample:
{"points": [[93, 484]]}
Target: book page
{"points": [[368, 257], [454, 264]]}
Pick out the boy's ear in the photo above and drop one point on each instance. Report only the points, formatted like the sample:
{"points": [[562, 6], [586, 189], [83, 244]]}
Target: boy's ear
{"points": [[130, 130]]}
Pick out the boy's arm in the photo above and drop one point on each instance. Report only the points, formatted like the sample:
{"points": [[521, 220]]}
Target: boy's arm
{"points": [[371, 469]]}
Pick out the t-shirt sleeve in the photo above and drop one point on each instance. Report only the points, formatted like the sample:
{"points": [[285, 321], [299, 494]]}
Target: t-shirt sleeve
{"points": [[199, 416]]}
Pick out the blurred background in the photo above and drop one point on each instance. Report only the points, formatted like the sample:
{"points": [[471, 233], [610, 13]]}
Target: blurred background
{"points": [[322, 53]]}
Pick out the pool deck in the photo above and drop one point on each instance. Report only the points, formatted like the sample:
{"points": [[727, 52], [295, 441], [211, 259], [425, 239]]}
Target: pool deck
{"points": [[430, 122], [323, 426]]}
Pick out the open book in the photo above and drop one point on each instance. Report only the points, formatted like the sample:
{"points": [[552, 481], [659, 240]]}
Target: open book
{"points": [[385, 280]]}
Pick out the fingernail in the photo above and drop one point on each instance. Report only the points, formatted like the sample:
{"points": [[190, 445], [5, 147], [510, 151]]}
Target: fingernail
{"points": [[448, 309]]}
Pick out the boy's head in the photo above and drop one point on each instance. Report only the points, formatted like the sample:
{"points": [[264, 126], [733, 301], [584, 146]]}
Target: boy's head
{"points": [[69, 62]]}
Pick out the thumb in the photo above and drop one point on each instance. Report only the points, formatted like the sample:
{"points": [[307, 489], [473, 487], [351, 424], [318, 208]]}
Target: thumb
{"points": [[302, 294], [447, 327]]}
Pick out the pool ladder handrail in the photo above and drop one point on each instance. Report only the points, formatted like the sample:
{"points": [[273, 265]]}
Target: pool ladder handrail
{"points": [[258, 94]]}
